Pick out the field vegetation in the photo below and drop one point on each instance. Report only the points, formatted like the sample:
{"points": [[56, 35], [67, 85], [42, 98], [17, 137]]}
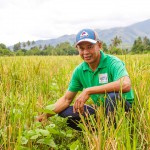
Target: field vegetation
{"points": [[29, 84]]}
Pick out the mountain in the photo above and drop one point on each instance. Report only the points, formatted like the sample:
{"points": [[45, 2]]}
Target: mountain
{"points": [[54, 42], [128, 35]]}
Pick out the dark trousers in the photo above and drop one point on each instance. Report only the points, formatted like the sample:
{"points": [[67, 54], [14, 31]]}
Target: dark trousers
{"points": [[109, 104]]}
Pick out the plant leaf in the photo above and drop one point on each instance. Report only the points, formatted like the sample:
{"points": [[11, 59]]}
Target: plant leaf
{"points": [[34, 137], [75, 145], [24, 140], [43, 132]]}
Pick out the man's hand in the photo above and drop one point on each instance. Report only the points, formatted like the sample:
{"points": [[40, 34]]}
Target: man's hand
{"points": [[42, 118], [80, 101]]}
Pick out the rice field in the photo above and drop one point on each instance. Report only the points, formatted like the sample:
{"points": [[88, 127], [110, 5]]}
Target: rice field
{"points": [[29, 84]]}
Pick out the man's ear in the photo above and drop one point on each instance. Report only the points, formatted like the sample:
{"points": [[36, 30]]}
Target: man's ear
{"points": [[100, 44]]}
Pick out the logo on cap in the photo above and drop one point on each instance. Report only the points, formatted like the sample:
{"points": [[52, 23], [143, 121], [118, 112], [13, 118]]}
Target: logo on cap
{"points": [[84, 34]]}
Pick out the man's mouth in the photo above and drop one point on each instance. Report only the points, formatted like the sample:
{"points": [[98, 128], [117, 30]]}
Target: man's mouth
{"points": [[87, 57]]}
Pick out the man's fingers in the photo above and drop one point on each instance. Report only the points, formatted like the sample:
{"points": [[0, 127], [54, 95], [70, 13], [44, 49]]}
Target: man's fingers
{"points": [[78, 106], [74, 110], [82, 110], [41, 118], [75, 106]]}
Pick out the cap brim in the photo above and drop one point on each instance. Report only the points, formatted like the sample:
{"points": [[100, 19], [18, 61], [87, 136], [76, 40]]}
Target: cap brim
{"points": [[86, 40]]}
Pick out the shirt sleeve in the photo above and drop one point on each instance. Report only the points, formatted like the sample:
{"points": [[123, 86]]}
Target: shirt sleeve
{"points": [[118, 70], [75, 83]]}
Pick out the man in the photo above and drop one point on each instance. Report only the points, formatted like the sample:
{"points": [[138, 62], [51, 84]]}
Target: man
{"points": [[102, 77]]}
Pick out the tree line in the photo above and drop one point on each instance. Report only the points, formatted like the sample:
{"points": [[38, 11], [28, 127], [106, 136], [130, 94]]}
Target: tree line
{"points": [[140, 45]]}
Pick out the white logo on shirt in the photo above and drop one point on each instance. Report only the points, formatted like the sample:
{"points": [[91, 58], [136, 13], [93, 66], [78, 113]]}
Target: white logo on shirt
{"points": [[103, 78]]}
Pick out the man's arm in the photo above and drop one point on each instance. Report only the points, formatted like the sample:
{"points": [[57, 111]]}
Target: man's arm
{"points": [[123, 84], [60, 105]]}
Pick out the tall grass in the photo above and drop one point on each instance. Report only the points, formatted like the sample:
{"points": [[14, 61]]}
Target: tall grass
{"points": [[30, 83]]}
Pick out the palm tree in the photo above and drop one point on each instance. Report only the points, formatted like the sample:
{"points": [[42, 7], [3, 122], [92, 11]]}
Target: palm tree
{"points": [[116, 41]]}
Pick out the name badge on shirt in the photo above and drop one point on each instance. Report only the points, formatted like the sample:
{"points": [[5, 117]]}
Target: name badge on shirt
{"points": [[103, 78]]}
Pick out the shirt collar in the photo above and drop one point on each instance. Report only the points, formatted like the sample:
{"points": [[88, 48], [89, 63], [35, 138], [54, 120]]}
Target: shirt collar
{"points": [[102, 63]]}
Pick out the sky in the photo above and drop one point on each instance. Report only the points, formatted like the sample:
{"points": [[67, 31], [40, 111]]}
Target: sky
{"points": [[23, 20]]}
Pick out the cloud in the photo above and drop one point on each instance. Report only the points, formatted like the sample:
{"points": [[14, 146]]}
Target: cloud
{"points": [[23, 20]]}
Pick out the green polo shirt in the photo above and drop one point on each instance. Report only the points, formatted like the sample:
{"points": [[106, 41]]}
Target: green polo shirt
{"points": [[109, 69]]}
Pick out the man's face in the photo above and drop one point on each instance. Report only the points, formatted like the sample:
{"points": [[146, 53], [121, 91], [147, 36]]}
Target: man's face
{"points": [[89, 52]]}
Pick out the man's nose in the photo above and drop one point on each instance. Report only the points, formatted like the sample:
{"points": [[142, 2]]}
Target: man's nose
{"points": [[86, 51]]}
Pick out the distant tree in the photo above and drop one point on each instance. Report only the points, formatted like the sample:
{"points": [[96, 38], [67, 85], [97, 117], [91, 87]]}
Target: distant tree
{"points": [[40, 47], [24, 51], [104, 47], [23, 44], [5, 52], [73, 51], [138, 46], [45, 47], [113, 48], [65, 49], [116, 41], [20, 53], [28, 43], [146, 44], [17, 46], [33, 51], [33, 42], [116, 50], [50, 50], [3, 46]]}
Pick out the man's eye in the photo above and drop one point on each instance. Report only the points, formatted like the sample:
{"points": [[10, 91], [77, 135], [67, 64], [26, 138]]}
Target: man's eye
{"points": [[82, 49], [89, 47]]}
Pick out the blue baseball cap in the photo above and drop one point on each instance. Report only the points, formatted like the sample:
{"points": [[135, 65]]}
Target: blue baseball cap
{"points": [[87, 35]]}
